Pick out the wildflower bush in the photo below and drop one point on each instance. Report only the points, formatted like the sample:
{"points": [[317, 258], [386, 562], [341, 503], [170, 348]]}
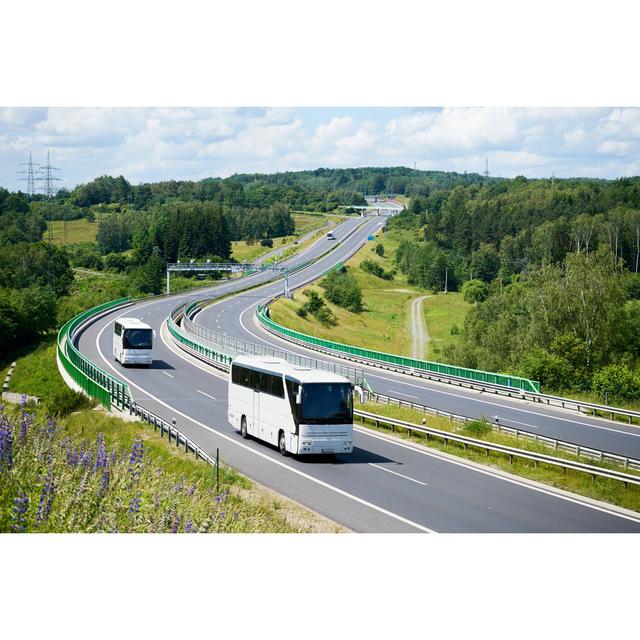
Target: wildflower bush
{"points": [[53, 482]]}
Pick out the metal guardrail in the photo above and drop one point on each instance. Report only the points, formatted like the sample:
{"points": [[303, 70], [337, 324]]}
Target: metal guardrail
{"points": [[379, 358], [589, 408], [511, 452], [96, 382], [221, 343], [358, 355], [556, 445], [159, 424]]}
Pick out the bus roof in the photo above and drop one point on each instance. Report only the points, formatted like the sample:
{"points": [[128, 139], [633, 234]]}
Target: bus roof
{"points": [[133, 323], [296, 372]]}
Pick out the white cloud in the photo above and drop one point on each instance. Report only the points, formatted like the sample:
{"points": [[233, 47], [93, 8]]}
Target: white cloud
{"points": [[191, 143]]}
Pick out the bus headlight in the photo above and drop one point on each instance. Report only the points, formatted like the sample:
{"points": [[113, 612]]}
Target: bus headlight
{"points": [[306, 443]]}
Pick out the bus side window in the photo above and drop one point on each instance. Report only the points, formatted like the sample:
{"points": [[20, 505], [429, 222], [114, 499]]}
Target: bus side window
{"points": [[277, 388], [254, 380], [118, 329], [245, 375]]}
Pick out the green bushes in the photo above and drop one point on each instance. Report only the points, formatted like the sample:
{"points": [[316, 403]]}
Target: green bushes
{"points": [[343, 289], [65, 401], [316, 306], [477, 428], [474, 291], [376, 269], [616, 381]]}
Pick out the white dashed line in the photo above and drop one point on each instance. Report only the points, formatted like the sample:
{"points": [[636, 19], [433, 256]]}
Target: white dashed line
{"points": [[395, 473]]}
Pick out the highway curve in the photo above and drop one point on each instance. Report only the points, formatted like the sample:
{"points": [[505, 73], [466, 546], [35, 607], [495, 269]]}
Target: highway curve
{"points": [[386, 485]]}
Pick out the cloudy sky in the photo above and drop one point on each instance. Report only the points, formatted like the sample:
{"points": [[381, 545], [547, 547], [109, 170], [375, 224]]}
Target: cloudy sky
{"points": [[149, 144]]}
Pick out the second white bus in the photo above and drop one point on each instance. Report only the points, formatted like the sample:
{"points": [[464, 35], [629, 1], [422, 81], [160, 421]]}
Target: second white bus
{"points": [[132, 342], [299, 410]]}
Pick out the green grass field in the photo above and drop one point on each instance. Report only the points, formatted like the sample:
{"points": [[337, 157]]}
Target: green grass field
{"points": [[443, 313], [77, 231], [305, 222], [385, 324]]}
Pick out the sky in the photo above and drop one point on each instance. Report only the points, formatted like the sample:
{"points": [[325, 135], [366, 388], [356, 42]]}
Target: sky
{"points": [[151, 144]]}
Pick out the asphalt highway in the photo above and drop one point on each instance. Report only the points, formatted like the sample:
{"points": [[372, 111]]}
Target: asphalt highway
{"points": [[386, 485]]}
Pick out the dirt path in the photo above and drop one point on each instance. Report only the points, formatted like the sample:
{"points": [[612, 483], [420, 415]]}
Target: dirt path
{"points": [[419, 329]]}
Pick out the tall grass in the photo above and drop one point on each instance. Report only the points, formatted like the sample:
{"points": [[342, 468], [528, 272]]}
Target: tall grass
{"points": [[53, 480]]}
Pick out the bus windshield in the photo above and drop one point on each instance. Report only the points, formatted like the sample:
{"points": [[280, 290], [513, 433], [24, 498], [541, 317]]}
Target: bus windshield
{"points": [[324, 402], [137, 339]]}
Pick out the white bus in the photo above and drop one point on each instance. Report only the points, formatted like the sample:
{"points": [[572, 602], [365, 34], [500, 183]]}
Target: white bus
{"points": [[300, 410], [132, 341]]}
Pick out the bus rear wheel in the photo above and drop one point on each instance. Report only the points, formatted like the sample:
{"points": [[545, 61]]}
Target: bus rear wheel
{"points": [[243, 428], [282, 445]]}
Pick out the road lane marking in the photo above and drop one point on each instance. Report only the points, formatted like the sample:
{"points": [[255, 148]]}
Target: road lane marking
{"points": [[496, 404], [205, 394], [167, 374], [388, 440], [279, 463], [395, 473], [488, 472]]}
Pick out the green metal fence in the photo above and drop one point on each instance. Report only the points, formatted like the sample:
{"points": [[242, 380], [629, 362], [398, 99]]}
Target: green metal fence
{"points": [[96, 382], [208, 352], [389, 358]]}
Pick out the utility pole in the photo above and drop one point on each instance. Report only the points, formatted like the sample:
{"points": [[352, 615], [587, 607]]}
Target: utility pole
{"points": [[48, 177], [31, 188], [287, 292], [446, 277]]}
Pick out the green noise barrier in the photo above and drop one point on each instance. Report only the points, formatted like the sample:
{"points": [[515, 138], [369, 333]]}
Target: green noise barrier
{"points": [[105, 388], [207, 352], [474, 375]]}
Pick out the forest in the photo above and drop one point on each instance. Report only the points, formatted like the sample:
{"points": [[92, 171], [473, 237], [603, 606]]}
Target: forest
{"points": [[552, 266]]}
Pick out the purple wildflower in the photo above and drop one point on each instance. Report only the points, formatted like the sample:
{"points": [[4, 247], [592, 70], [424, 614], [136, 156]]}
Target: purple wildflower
{"points": [[134, 505], [25, 423], [104, 481], [20, 507], [156, 502], [191, 490], [188, 527], [46, 498], [135, 459], [101, 453], [6, 446], [176, 524], [23, 401]]}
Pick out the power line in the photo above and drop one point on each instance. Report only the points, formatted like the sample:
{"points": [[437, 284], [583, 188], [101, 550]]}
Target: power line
{"points": [[48, 178], [29, 171]]}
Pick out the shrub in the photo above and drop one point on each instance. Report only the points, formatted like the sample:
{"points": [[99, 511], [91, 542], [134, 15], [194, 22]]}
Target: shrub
{"points": [[266, 242], [302, 311], [325, 316], [343, 289], [66, 401], [616, 381], [116, 262], [474, 291], [552, 370], [376, 269], [315, 302], [477, 428], [380, 250]]}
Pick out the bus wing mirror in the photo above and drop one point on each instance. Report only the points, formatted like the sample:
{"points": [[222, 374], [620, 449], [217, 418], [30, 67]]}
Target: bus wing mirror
{"points": [[299, 396], [360, 392]]}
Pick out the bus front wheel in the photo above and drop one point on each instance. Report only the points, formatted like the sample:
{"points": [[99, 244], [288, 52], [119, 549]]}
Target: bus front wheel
{"points": [[282, 445], [243, 428]]}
